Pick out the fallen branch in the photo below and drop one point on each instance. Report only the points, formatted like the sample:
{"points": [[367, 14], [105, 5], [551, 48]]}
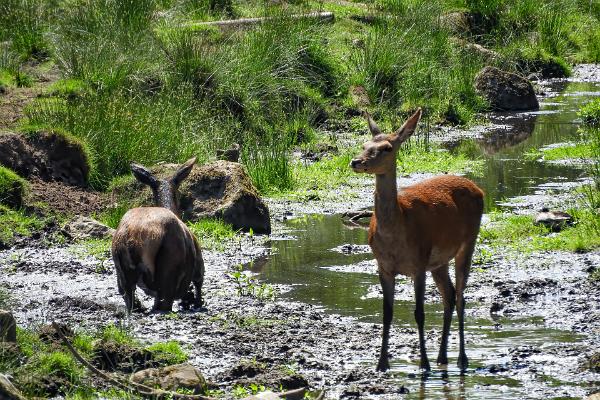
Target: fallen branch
{"points": [[234, 23], [146, 390]]}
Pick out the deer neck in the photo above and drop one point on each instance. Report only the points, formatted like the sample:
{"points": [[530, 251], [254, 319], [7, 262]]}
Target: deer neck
{"points": [[387, 209], [163, 197]]}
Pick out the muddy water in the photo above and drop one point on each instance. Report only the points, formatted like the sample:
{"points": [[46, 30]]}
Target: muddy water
{"points": [[329, 265]]}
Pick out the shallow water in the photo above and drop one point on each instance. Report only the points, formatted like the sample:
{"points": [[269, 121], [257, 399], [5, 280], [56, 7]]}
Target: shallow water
{"points": [[327, 264], [507, 171]]}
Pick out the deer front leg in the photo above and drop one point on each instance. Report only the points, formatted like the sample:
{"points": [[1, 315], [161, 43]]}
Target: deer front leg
{"points": [[387, 285], [463, 267], [446, 288], [419, 282]]}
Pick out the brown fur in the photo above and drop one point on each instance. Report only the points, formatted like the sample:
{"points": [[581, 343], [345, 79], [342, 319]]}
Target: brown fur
{"points": [[419, 230], [153, 249]]}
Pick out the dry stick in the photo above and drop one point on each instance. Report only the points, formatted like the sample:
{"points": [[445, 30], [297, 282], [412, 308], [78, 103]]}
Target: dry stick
{"points": [[143, 389]]}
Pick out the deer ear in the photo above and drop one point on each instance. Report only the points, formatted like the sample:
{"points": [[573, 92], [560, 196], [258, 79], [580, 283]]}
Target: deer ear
{"points": [[143, 175], [372, 125], [183, 171], [409, 127]]}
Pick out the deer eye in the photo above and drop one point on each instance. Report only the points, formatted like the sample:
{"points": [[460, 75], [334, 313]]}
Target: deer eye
{"points": [[386, 149]]}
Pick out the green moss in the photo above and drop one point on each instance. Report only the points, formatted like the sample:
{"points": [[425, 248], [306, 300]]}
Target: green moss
{"points": [[12, 188], [168, 352]]}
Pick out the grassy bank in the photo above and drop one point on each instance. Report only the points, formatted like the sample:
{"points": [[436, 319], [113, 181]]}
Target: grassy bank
{"points": [[141, 83]]}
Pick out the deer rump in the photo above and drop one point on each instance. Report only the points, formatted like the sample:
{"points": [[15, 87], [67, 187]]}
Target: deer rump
{"points": [[155, 250]]}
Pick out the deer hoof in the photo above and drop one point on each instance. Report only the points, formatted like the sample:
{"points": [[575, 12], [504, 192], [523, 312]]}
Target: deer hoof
{"points": [[425, 365], [442, 360]]}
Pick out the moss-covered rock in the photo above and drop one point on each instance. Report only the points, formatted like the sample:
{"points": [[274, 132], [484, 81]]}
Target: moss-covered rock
{"points": [[12, 188]]}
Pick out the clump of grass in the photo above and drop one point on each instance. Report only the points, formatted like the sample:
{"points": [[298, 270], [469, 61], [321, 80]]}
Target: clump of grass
{"points": [[168, 352], [116, 334], [517, 232], [12, 188], [23, 23], [212, 233], [590, 112], [17, 223]]}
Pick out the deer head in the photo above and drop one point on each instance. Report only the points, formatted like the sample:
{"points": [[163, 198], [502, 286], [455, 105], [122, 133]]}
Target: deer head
{"points": [[379, 154], [165, 191]]}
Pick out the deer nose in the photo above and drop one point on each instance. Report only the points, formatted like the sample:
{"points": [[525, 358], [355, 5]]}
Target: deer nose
{"points": [[354, 163]]}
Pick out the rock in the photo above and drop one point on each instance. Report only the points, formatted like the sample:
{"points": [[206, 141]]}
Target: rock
{"points": [[554, 220], [505, 91], [8, 327], [50, 155], [220, 189], [173, 377], [231, 154], [82, 228], [8, 391], [595, 396], [360, 97], [476, 49], [224, 190]]}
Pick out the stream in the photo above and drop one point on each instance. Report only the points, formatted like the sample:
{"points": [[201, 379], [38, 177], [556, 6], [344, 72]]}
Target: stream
{"points": [[330, 266]]}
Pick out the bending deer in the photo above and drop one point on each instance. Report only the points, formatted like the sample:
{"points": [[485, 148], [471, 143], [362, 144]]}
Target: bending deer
{"points": [[419, 230], [153, 249]]}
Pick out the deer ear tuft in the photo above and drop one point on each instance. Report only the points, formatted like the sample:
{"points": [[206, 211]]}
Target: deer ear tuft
{"points": [[143, 175], [183, 171]]}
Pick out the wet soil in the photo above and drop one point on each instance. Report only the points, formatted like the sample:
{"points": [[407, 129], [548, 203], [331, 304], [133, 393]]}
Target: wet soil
{"points": [[532, 319]]}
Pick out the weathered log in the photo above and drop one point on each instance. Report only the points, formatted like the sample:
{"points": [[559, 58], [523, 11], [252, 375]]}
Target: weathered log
{"points": [[237, 23]]}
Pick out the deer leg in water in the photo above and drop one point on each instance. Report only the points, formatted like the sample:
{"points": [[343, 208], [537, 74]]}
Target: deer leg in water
{"points": [[388, 286], [446, 288], [419, 282], [463, 267], [198, 281]]}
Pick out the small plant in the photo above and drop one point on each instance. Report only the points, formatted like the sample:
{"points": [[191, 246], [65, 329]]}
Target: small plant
{"points": [[212, 233], [590, 113], [247, 285], [169, 352]]}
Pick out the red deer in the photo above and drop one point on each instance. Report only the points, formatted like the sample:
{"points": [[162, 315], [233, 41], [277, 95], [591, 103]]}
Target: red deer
{"points": [[153, 249], [417, 230]]}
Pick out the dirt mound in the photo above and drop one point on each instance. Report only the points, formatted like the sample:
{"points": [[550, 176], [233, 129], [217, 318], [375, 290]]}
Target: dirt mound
{"points": [[66, 199], [48, 155], [112, 356]]}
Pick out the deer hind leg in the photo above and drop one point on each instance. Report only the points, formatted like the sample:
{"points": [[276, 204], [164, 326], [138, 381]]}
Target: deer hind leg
{"points": [[126, 283], [388, 284], [198, 281], [419, 281], [462, 270], [446, 288]]}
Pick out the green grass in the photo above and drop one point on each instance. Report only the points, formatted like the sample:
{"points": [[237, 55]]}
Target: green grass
{"points": [[168, 352], [518, 233], [576, 151], [590, 112], [15, 223], [12, 188], [212, 233]]}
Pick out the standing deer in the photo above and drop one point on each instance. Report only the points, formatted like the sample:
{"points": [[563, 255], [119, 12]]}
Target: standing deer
{"points": [[419, 230], [153, 249]]}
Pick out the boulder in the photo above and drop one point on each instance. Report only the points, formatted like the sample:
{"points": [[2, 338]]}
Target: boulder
{"points": [[49, 155], [223, 189], [8, 391], [554, 220], [505, 91], [82, 228], [172, 378], [8, 327]]}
